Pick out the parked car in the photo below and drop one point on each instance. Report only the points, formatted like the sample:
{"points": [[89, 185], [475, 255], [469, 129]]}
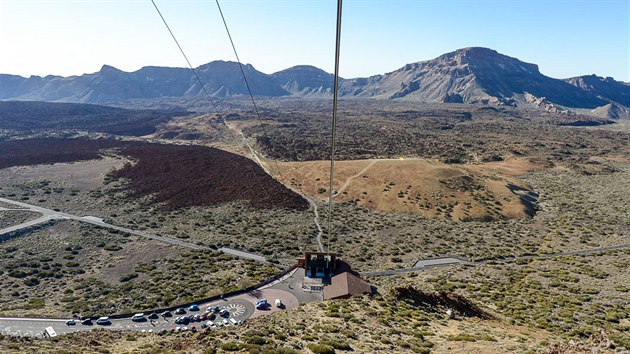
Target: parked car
{"points": [[180, 311], [153, 316], [193, 308], [71, 322], [233, 322], [167, 314], [224, 313], [196, 317], [103, 321], [262, 304], [139, 317], [212, 317], [182, 320], [225, 322], [279, 303], [86, 322], [214, 309]]}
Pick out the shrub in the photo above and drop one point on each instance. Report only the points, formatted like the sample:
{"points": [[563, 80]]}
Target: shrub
{"points": [[128, 277], [112, 247], [230, 346], [462, 337], [321, 348], [32, 281], [256, 340]]}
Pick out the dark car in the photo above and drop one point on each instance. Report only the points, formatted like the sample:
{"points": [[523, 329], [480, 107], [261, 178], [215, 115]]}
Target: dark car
{"points": [[167, 314], [182, 320], [193, 308], [153, 316], [180, 311], [87, 322]]}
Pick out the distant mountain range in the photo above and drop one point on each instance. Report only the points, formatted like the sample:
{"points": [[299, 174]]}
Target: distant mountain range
{"points": [[469, 75]]}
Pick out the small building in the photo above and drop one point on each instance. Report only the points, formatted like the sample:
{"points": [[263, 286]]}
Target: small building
{"points": [[345, 285], [318, 264]]}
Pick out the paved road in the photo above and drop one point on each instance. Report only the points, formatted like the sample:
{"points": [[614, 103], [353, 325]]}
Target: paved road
{"points": [[422, 264], [49, 215], [240, 307], [27, 224], [425, 264]]}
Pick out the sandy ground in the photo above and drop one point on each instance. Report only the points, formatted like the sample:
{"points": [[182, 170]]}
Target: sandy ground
{"points": [[85, 175], [416, 185]]}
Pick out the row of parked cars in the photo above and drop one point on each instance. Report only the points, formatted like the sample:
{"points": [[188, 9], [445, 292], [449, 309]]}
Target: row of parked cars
{"points": [[210, 314], [103, 321]]}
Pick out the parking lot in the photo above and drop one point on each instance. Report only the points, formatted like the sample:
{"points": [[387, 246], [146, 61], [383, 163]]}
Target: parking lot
{"points": [[239, 308]]}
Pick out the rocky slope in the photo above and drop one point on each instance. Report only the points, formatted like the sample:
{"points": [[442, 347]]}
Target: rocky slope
{"points": [[305, 81], [473, 75], [220, 79], [468, 75]]}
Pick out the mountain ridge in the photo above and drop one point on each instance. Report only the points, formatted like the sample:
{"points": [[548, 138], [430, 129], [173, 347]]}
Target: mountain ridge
{"points": [[467, 75]]}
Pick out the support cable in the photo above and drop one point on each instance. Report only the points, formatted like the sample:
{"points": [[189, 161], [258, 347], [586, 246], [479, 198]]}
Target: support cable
{"points": [[334, 123], [249, 90], [185, 57], [214, 105]]}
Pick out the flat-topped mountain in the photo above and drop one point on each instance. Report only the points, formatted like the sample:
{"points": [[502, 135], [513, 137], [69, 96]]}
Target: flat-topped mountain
{"points": [[220, 78], [468, 75], [472, 75]]}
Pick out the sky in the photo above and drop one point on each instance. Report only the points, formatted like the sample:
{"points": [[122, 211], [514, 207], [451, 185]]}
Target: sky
{"points": [[70, 37]]}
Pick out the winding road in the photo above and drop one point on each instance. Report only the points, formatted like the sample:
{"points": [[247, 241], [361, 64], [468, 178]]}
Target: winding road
{"points": [[49, 215], [257, 159], [424, 264]]}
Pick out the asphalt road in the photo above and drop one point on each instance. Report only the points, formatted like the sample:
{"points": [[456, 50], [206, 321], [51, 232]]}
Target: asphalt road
{"points": [[424, 264], [238, 309], [49, 215]]}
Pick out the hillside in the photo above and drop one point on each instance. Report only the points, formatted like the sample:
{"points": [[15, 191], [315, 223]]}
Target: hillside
{"points": [[472, 75], [468, 75], [305, 80], [605, 88], [220, 79], [213, 176]]}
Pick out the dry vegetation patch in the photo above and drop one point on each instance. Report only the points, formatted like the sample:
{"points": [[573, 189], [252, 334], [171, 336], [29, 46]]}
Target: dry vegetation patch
{"points": [[425, 187], [73, 269]]}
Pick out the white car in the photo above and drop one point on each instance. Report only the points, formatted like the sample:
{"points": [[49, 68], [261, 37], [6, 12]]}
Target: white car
{"points": [[139, 317], [225, 322], [233, 322]]}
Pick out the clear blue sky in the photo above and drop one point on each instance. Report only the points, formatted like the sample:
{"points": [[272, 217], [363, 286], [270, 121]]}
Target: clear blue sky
{"points": [[564, 37]]}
